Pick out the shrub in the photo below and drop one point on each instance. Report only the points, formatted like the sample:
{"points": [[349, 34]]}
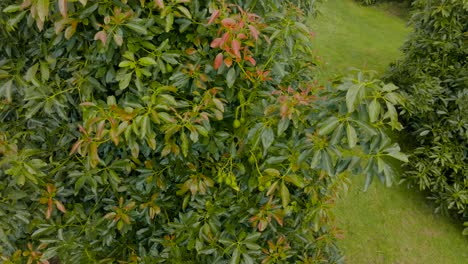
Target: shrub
{"points": [[434, 75], [177, 132]]}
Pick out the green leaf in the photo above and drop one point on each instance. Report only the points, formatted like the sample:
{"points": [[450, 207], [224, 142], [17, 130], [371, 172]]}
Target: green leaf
{"points": [[12, 9], [184, 11], [231, 77], [393, 115], [380, 164], [283, 124], [137, 28], [170, 57], [394, 98], [366, 127], [184, 144], [6, 90], [317, 158], [126, 63], [134, 147], [295, 179], [374, 110], [268, 136], [31, 73], [327, 163], [44, 68], [352, 97], [399, 156], [42, 9], [389, 87], [337, 135], [40, 231], [247, 258], [369, 178], [389, 174], [285, 196], [218, 104], [169, 22], [125, 81], [328, 126], [146, 61], [352, 137], [202, 130], [88, 11], [253, 237], [235, 258], [272, 172], [145, 126], [370, 172], [79, 184]]}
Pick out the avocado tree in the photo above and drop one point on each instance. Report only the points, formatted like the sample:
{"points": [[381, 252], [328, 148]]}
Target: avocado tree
{"points": [[434, 77], [177, 131]]}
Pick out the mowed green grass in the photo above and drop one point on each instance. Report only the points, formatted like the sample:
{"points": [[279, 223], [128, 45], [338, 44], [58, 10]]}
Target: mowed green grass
{"points": [[382, 225], [350, 35]]}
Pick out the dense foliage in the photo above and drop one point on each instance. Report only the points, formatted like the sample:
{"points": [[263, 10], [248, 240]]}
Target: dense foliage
{"points": [[434, 75], [177, 132]]}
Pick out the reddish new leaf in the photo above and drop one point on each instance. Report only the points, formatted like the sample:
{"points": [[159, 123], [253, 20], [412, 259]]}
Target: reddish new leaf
{"points": [[75, 147], [262, 225], [213, 16], [228, 22], [216, 43], [49, 208], [159, 3], [228, 61], [254, 32], [102, 36], [236, 48], [224, 39], [25, 4], [190, 51], [241, 36], [60, 206], [251, 60], [218, 61]]}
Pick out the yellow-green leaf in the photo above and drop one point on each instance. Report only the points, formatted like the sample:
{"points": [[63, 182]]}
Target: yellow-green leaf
{"points": [[285, 196], [42, 9], [146, 61], [184, 11], [352, 137]]}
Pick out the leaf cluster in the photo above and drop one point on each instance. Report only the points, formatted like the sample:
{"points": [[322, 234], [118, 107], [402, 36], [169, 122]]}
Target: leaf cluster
{"points": [[434, 77]]}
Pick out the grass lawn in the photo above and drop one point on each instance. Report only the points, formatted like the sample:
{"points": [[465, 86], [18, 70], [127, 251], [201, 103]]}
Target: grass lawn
{"points": [[384, 225], [350, 35]]}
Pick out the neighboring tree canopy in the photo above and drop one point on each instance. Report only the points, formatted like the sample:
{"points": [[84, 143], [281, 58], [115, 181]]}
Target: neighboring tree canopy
{"points": [[434, 75]]}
